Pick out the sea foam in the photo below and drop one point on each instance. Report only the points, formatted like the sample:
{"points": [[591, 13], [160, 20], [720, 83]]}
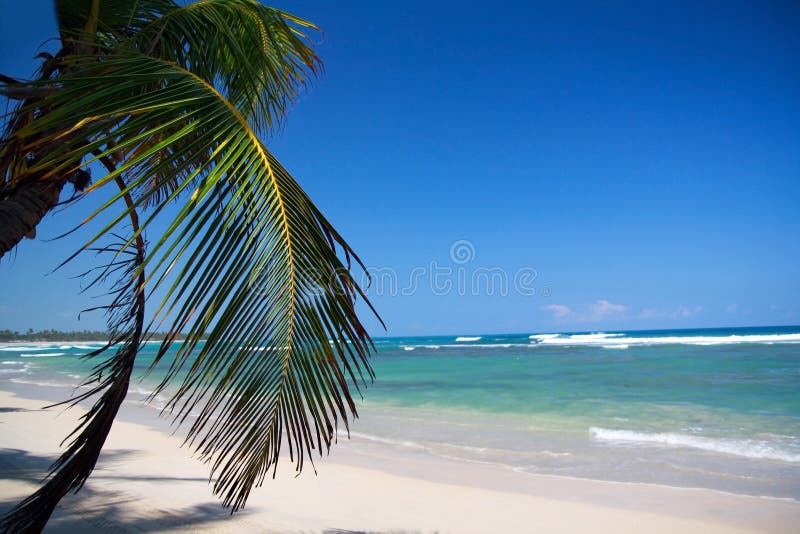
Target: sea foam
{"points": [[594, 336], [748, 448], [14, 370], [471, 346], [606, 340], [26, 348]]}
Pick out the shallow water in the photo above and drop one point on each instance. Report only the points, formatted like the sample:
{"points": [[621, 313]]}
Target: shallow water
{"points": [[698, 408]]}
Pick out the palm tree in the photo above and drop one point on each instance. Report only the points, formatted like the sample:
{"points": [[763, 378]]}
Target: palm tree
{"points": [[169, 103]]}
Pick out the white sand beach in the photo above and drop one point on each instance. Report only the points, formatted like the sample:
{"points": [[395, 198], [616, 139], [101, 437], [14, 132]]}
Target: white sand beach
{"points": [[144, 482]]}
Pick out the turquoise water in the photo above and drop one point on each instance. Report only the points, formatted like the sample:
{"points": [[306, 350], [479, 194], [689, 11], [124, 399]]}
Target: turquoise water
{"points": [[716, 408]]}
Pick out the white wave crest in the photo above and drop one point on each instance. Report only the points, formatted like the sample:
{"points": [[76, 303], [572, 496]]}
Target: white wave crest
{"points": [[15, 370], [461, 339], [472, 345], [408, 348], [387, 441], [43, 355], [747, 448], [620, 339], [33, 347], [594, 336], [26, 348], [45, 384], [543, 336]]}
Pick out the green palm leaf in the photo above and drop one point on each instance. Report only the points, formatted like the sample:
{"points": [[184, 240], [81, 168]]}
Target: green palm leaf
{"points": [[172, 108], [259, 268]]}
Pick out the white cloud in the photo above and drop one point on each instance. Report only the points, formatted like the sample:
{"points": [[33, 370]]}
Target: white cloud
{"points": [[683, 311], [559, 310], [732, 308], [604, 308], [598, 310], [649, 313]]}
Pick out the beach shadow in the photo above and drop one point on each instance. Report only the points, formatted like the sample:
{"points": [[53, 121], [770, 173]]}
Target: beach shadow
{"points": [[16, 464], [150, 478], [9, 410], [109, 511], [106, 510], [113, 516], [393, 531]]}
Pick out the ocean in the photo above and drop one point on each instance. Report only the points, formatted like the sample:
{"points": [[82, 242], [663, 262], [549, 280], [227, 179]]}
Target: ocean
{"points": [[712, 408]]}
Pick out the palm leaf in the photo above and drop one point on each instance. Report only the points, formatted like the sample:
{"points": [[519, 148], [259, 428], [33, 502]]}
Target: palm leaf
{"points": [[257, 57], [260, 63], [255, 265]]}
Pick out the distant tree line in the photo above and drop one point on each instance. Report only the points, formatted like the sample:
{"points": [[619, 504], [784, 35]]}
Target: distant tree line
{"points": [[59, 335]]}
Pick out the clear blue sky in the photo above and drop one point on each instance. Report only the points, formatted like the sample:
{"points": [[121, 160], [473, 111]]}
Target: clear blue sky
{"points": [[642, 157]]}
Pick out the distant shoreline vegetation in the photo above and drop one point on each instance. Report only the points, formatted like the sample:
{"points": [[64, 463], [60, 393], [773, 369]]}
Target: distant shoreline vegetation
{"points": [[620, 335], [59, 335]]}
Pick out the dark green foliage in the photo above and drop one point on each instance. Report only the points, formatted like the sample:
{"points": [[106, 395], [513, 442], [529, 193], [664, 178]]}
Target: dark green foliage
{"points": [[171, 100]]}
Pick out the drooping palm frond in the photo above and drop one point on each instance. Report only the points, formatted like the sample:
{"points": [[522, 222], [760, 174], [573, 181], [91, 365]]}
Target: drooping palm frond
{"points": [[170, 100], [260, 63], [258, 57], [113, 19], [248, 259], [107, 383]]}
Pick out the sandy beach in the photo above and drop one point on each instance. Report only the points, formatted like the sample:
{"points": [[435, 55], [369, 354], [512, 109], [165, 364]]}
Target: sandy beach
{"points": [[524, 267], [145, 482]]}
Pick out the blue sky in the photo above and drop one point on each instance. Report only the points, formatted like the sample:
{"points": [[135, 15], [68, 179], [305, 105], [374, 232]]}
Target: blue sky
{"points": [[636, 163]]}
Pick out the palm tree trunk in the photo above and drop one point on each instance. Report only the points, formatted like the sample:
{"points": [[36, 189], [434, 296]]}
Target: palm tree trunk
{"points": [[32, 514], [74, 466], [22, 211], [24, 204]]}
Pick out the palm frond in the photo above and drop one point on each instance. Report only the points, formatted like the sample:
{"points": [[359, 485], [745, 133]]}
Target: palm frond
{"points": [[108, 384], [114, 19], [248, 260], [258, 57]]}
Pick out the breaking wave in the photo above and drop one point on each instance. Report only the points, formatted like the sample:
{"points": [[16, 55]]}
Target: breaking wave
{"points": [[747, 448], [608, 340]]}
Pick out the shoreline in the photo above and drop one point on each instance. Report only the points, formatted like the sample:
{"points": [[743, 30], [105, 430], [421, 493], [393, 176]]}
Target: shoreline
{"points": [[140, 413], [359, 486], [72, 342], [137, 411]]}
